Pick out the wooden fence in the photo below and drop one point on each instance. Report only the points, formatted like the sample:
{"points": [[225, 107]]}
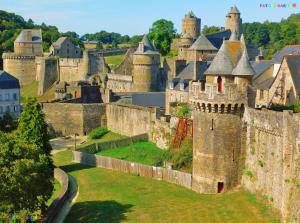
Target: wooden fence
{"points": [[97, 147], [158, 173]]}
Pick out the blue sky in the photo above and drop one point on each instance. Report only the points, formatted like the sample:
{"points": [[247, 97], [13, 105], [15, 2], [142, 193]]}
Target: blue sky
{"points": [[136, 16]]}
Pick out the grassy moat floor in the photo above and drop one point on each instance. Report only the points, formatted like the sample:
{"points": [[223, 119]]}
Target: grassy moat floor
{"points": [[141, 152], [112, 197]]}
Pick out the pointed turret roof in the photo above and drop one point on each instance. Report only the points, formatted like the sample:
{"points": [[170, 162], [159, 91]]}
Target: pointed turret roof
{"points": [[202, 43], [222, 63], [234, 10], [243, 67], [148, 47]]}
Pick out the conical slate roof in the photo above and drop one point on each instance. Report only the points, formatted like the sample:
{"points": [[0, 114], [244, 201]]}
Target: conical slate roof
{"points": [[234, 9], [222, 63], [202, 43], [148, 47], [243, 67]]}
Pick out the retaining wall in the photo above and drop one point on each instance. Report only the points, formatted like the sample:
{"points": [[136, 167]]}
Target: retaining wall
{"points": [[158, 173]]}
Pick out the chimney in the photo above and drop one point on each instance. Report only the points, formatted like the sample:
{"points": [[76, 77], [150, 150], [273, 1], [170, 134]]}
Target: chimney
{"points": [[260, 56], [141, 47]]}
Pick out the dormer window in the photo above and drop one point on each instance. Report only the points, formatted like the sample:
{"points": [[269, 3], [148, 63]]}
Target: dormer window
{"points": [[171, 85], [181, 86]]}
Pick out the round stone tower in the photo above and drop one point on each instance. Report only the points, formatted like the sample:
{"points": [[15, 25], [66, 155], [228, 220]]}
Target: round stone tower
{"points": [[234, 21], [191, 25], [218, 145], [146, 67]]}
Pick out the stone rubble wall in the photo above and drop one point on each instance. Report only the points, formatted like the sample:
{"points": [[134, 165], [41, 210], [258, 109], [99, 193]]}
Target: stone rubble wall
{"points": [[272, 163]]}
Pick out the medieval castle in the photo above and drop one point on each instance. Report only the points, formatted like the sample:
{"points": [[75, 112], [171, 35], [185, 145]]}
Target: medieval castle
{"points": [[218, 76]]}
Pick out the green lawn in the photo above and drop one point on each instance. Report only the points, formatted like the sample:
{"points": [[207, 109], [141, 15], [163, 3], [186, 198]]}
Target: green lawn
{"points": [[57, 188], [141, 152], [107, 137], [113, 197], [114, 61]]}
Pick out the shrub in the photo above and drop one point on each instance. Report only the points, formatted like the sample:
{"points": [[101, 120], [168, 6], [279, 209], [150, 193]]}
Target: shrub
{"points": [[98, 133]]}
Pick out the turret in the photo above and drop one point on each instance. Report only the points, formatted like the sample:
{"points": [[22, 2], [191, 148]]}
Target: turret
{"points": [[191, 25], [234, 21], [146, 67], [217, 120]]}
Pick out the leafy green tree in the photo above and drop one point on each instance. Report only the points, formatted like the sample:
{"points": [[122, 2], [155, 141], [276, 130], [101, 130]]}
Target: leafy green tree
{"points": [[8, 122], [134, 41], [26, 176], [32, 126], [161, 33], [210, 29]]}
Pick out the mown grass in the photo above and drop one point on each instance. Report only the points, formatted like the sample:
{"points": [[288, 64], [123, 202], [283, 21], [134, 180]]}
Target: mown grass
{"points": [[114, 61], [111, 196], [141, 152]]}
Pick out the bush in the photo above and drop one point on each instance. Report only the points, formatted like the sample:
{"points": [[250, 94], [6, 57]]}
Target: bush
{"points": [[181, 158], [98, 133], [295, 107]]}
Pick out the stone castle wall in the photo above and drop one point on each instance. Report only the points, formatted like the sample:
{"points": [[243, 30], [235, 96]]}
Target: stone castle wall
{"points": [[47, 73], [71, 69], [129, 120], [69, 118], [272, 163], [21, 67]]}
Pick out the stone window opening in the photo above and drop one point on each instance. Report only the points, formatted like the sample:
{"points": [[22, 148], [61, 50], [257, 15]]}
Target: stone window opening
{"points": [[220, 187], [219, 80], [261, 94], [202, 86], [212, 124]]}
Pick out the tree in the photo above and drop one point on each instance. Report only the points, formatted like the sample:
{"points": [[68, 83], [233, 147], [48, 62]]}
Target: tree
{"points": [[161, 33], [26, 176], [32, 126], [210, 29], [8, 122]]}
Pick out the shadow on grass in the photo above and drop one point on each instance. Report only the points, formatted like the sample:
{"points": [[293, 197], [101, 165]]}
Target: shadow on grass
{"points": [[75, 167], [99, 212]]}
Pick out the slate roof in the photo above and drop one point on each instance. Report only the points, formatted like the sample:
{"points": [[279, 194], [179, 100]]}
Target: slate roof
{"points": [[260, 66], [217, 38], [59, 42], [222, 63], [154, 99], [202, 43], [8, 81], [29, 35], [266, 84], [234, 9], [148, 47], [188, 72], [289, 49], [293, 62], [243, 67]]}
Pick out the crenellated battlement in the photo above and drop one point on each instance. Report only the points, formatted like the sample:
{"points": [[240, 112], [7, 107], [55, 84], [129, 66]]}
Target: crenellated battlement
{"points": [[229, 100], [14, 56]]}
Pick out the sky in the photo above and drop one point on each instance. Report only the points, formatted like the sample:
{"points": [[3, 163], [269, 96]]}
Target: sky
{"points": [[134, 17]]}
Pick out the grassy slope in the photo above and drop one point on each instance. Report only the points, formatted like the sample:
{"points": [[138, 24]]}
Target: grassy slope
{"points": [[114, 61], [108, 196], [140, 152], [107, 137], [31, 90]]}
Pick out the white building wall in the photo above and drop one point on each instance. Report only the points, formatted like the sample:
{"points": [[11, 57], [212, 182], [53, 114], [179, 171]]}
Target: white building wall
{"points": [[10, 101]]}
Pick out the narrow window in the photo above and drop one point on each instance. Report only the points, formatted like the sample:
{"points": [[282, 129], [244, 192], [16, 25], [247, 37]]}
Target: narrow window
{"points": [[220, 85]]}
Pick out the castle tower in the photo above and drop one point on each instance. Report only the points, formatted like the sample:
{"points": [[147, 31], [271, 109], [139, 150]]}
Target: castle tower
{"points": [[234, 21], [218, 128], [191, 25], [146, 67]]}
